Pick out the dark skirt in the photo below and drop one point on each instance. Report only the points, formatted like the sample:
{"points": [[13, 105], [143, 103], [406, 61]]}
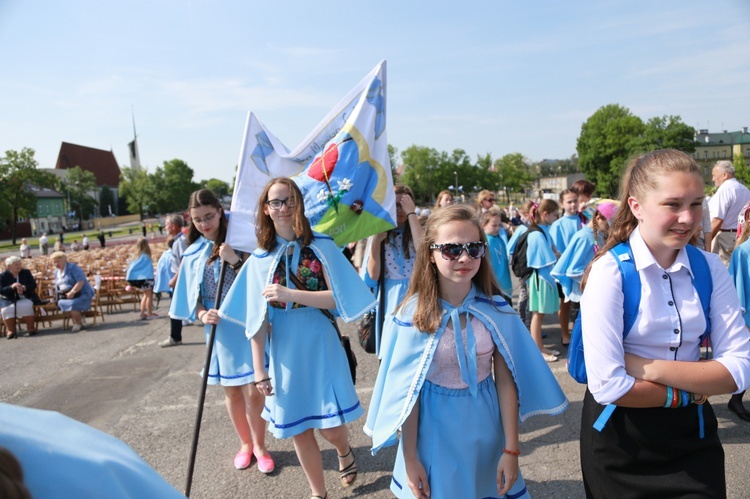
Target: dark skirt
{"points": [[652, 452]]}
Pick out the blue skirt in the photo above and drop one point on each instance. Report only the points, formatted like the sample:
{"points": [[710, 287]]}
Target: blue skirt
{"points": [[309, 373], [459, 442], [232, 356], [80, 304]]}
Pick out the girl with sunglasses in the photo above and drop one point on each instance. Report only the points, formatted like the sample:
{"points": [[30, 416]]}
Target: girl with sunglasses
{"points": [[540, 255], [459, 425], [194, 297], [308, 385]]}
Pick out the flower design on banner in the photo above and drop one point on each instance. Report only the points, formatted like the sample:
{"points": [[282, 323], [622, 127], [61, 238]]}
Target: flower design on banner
{"points": [[332, 199]]}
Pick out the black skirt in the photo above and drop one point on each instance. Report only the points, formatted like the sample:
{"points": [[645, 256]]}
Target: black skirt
{"points": [[652, 452]]}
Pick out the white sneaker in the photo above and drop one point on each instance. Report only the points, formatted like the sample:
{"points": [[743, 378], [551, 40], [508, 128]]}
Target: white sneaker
{"points": [[169, 342], [77, 328]]}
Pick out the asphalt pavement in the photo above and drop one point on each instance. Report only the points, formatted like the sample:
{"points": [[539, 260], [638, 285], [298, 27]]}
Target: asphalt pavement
{"points": [[116, 378]]}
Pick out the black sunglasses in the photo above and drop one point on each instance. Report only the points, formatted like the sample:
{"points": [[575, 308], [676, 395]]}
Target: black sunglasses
{"points": [[452, 251]]}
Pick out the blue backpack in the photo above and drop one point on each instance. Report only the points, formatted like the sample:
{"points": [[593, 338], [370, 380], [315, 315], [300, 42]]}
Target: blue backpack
{"points": [[631, 290]]}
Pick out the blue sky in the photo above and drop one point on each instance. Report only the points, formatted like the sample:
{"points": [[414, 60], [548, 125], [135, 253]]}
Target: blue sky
{"points": [[492, 77]]}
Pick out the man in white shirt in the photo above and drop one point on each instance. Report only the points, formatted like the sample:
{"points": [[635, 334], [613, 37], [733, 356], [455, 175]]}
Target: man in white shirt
{"points": [[725, 206], [44, 244]]}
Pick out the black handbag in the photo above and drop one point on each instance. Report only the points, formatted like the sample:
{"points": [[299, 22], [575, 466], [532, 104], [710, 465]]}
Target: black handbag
{"points": [[345, 343], [367, 326]]}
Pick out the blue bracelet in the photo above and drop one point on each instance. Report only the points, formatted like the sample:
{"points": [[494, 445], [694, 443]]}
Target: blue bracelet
{"points": [[669, 397], [685, 398]]}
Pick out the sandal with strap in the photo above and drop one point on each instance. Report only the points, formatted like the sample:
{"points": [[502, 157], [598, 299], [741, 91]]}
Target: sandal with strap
{"points": [[320, 497], [350, 470]]}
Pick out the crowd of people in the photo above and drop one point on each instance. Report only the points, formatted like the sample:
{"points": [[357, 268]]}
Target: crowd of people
{"points": [[451, 341]]}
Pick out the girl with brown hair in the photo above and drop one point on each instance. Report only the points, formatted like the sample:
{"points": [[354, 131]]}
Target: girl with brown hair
{"points": [[459, 424]]}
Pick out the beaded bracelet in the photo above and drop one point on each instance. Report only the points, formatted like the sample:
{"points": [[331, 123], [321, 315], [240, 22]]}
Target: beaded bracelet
{"points": [[512, 452], [261, 381]]}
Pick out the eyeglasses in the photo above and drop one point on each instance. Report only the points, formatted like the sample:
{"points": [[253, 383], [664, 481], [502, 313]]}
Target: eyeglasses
{"points": [[452, 251], [491, 200], [205, 220], [276, 204]]}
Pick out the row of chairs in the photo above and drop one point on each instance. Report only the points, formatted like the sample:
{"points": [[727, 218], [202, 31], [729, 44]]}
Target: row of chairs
{"points": [[105, 269]]}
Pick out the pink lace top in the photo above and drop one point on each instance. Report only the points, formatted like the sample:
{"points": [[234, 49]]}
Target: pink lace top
{"points": [[444, 370]]}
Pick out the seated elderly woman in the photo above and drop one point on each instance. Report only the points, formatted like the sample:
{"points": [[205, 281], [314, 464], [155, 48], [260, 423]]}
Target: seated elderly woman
{"points": [[73, 289], [17, 296]]}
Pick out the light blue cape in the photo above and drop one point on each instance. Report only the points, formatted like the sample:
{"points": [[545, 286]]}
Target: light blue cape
{"points": [[569, 269], [246, 305], [499, 257], [63, 458], [563, 229], [140, 268], [187, 289], [404, 367], [514, 239], [739, 269], [539, 254], [163, 272]]}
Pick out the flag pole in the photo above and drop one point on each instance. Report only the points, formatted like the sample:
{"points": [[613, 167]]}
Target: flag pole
{"points": [[204, 383]]}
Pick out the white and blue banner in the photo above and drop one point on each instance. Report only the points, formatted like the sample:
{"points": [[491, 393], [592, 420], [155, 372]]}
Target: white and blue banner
{"points": [[342, 168]]}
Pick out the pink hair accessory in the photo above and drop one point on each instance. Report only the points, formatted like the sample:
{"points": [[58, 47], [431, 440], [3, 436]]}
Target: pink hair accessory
{"points": [[608, 209]]}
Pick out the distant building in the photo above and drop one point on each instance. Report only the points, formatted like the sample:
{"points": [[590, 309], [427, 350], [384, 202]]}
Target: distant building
{"points": [[50, 212], [51, 204], [713, 147], [550, 187]]}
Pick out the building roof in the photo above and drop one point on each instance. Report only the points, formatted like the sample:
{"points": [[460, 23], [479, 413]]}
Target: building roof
{"points": [[97, 161], [704, 138], [43, 192]]}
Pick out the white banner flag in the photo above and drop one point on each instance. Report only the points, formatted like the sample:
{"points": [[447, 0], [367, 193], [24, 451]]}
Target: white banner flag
{"points": [[342, 168]]}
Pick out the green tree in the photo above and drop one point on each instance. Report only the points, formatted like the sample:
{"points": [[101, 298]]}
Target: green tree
{"points": [[605, 144], [667, 132], [137, 189], [514, 171], [393, 157], [218, 187], [78, 185], [741, 170], [423, 172], [107, 203], [18, 173], [175, 184]]}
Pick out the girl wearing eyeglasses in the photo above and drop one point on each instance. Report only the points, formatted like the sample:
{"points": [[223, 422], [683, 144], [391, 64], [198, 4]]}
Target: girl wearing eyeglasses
{"points": [[459, 426], [398, 248], [231, 360], [540, 255], [308, 384]]}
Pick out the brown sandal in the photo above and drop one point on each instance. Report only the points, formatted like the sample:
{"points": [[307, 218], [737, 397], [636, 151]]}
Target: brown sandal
{"points": [[350, 470]]}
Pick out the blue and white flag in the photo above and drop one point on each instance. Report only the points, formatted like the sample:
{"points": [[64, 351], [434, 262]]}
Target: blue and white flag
{"points": [[342, 168]]}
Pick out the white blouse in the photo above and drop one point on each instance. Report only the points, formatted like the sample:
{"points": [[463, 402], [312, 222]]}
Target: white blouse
{"points": [[669, 324]]}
